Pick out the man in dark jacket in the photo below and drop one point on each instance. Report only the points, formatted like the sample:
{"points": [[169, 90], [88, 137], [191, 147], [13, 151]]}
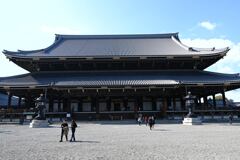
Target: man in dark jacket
{"points": [[73, 127]]}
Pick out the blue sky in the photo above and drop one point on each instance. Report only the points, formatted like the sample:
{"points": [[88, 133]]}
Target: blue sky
{"points": [[29, 24]]}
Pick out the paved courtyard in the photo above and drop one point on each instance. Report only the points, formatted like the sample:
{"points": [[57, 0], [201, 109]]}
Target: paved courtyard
{"points": [[122, 140]]}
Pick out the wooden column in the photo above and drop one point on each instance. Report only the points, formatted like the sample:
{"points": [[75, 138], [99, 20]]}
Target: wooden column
{"points": [[29, 101], [183, 104], [19, 102], [59, 106], [80, 105], [64, 105], [174, 103], [9, 101], [224, 98], [97, 104], [50, 104], [205, 102], [214, 101], [164, 109], [196, 103], [98, 116], [136, 107], [154, 103], [26, 102], [109, 104], [140, 102], [93, 104], [125, 103], [67, 105]]}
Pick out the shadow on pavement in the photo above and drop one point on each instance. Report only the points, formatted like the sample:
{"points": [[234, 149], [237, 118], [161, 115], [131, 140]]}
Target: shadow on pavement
{"points": [[85, 142], [6, 132], [160, 130]]}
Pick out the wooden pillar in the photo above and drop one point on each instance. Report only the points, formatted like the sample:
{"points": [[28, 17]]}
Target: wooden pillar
{"points": [[224, 98], [196, 104], [164, 109], [93, 104], [205, 102], [19, 102], [154, 103], [136, 107], [183, 104], [80, 105], [140, 103], [97, 104], [214, 101], [98, 116], [125, 103], [29, 101], [59, 106], [109, 103], [174, 103], [26, 102], [9, 101], [50, 104], [67, 105]]}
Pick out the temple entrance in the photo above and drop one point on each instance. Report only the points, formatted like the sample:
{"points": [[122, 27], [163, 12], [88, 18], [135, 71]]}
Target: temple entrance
{"points": [[117, 106]]}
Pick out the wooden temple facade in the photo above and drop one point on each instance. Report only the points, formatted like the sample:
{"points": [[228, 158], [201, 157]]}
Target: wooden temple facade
{"points": [[102, 76]]}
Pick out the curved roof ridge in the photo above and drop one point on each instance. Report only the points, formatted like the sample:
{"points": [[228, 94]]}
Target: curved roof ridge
{"points": [[198, 49], [16, 76], [117, 36], [7, 52], [177, 41], [220, 74], [211, 49]]}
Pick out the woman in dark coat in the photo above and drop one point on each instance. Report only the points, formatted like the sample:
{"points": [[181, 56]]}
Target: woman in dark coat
{"points": [[73, 127]]}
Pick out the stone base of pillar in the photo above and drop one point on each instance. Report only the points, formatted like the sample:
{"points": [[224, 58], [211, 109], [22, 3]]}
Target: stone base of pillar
{"points": [[192, 121], [39, 124]]}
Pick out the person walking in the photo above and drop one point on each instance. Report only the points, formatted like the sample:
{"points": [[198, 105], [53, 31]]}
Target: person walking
{"points": [[64, 130], [73, 128], [230, 118], [139, 120], [153, 121], [146, 120], [150, 122]]}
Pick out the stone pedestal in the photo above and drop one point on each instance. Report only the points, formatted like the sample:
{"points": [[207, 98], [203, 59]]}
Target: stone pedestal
{"points": [[192, 121], [38, 124]]}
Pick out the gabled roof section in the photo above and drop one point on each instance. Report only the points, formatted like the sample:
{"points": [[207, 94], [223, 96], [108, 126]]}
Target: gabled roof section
{"points": [[107, 46]]}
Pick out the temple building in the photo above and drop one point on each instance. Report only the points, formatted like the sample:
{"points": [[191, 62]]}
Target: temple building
{"points": [[102, 76]]}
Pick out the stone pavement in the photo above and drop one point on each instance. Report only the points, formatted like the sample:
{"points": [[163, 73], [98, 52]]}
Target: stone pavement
{"points": [[122, 140]]}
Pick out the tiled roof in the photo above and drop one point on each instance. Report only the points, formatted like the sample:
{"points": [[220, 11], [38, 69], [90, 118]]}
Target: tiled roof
{"points": [[99, 46], [118, 79]]}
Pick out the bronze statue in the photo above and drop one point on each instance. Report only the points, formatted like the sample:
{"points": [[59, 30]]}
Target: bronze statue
{"points": [[41, 108], [190, 103]]}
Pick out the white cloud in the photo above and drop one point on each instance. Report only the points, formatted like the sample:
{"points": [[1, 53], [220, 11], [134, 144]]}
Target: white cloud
{"points": [[59, 30], [207, 25], [229, 64]]}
